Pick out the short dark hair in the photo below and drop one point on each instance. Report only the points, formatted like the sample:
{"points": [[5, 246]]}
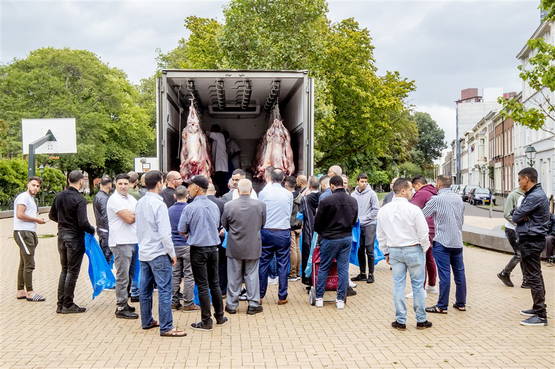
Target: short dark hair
{"points": [[419, 179], [268, 170], [313, 183], [400, 184], [362, 176], [445, 180], [181, 192], [277, 175], [239, 171], [75, 176], [34, 178], [152, 177], [337, 181], [133, 177], [105, 180], [529, 173], [291, 181], [323, 178], [122, 176]]}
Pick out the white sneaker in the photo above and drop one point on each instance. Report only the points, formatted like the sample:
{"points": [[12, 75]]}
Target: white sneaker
{"points": [[340, 304], [433, 289], [352, 284], [319, 302], [273, 280]]}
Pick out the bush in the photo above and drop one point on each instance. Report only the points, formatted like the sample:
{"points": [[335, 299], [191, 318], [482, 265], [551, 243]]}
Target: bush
{"points": [[13, 178], [53, 181]]}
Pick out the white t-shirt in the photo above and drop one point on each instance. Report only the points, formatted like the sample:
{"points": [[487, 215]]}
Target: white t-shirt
{"points": [[235, 195], [219, 152], [31, 210], [119, 232]]}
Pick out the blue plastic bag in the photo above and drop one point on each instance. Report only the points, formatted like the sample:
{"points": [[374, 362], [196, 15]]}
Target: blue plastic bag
{"points": [[224, 242], [353, 257], [378, 254], [100, 273]]}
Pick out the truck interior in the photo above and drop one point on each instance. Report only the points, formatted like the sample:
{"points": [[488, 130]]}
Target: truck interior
{"points": [[239, 105]]}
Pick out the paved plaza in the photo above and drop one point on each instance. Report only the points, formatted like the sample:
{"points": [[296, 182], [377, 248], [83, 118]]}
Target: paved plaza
{"points": [[295, 335]]}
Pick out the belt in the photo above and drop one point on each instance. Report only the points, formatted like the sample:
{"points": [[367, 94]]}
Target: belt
{"points": [[275, 229]]}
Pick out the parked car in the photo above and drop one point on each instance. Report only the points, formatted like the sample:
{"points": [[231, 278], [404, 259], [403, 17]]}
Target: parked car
{"points": [[466, 191], [480, 195], [455, 188]]}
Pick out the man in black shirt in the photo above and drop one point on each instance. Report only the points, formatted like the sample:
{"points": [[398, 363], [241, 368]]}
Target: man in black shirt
{"points": [[334, 222], [69, 210], [101, 216], [173, 180]]}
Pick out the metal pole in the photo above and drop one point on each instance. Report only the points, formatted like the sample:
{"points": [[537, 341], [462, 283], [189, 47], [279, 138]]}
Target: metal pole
{"points": [[33, 146]]}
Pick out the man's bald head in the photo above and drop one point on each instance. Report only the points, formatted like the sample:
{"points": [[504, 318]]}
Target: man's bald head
{"points": [[173, 179], [244, 186], [211, 189]]}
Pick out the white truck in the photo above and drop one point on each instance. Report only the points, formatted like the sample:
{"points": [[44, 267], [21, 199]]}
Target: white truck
{"points": [[240, 103]]}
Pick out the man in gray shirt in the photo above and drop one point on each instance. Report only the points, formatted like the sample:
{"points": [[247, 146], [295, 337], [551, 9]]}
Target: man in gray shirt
{"points": [[157, 255], [200, 221], [243, 219]]}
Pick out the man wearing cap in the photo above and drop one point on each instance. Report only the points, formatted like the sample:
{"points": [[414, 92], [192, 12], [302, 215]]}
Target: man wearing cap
{"points": [[200, 221], [100, 214]]}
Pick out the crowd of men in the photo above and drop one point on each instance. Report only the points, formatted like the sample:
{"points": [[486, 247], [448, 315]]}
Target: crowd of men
{"points": [[230, 247]]}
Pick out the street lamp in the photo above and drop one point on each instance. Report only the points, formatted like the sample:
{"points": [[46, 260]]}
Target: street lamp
{"points": [[530, 153]]}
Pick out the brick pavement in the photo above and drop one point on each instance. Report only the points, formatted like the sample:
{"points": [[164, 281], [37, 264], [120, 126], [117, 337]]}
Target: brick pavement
{"points": [[295, 335]]}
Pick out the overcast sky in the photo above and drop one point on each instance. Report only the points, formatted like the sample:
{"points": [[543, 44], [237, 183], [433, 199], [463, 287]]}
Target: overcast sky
{"points": [[444, 46]]}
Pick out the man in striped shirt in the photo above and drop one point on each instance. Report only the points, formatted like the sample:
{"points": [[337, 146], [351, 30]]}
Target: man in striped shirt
{"points": [[447, 210]]}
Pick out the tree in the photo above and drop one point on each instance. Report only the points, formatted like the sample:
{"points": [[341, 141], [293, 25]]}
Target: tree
{"points": [[540, 77], [13, 175], [112, 128], [361, 118], [430, 140]]}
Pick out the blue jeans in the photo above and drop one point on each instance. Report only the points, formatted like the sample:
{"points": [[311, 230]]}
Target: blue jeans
{"points": [[134, 286], [447, 258], [339, 250], [413, 260], [275, 243], [159, 271]]}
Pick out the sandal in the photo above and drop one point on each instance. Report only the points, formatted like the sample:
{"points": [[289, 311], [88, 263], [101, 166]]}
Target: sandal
{"points": [[36, 298], [459, 308], [173, 333], [154, 324], [435, 310]]}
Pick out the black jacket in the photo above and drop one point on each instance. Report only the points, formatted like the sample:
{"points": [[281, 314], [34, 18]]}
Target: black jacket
{"points": [[69, 210], [100, 213], [168, 195], [336, 215], [532, 217]]}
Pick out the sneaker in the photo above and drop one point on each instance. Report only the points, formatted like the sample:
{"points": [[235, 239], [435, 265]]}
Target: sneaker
{"points": [[534, 321], [134, 298], [529, 312], [123, 313], [424, 325], [526, 285], [506, 279], [192, 307], [433, 289], [59, 309], [254, 310], [370, 278], [176, 305], [294, 279], [230, 310], [130, 308], [360, 277], [273, 280], [399, 326], [73, 309], [352, 284], [351, 292], [200, 326], [282, 302], [340, 304], [221, 321], [319, 302]]}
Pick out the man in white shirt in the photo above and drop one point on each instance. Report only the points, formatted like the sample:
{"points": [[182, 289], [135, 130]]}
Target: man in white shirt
{"points": [[233, 193], [219, 158], [402, 233], [122, 238], [25, 220]]}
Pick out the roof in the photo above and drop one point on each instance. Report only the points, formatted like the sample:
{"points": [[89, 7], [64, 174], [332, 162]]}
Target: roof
{"points": [[542, 29]]}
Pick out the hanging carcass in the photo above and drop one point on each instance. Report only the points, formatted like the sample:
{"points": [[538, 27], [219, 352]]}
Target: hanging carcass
{"points": [[195, 158], [275, 148]]}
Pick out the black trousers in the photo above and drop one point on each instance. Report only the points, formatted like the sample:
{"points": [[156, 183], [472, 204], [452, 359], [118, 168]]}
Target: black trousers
{"points": [[204, 263], [222, 269], [71, 250], [103, 241], [530, 250], [515, 260], [220, 182], [366, 248]]}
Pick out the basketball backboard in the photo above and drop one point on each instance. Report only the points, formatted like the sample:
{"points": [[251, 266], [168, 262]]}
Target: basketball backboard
{"points": [[62, 128], [143, 165]]}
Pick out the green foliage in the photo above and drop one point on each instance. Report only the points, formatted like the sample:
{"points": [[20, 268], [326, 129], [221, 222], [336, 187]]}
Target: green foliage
{"points": [[361, 118], [13, 178], [430, 140], [540, 76], [409, 169], [3, 138], [378, 177], [112, 128], [53, 179]]}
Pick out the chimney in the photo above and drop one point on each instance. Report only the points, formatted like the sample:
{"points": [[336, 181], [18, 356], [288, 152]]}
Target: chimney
{"points": [[469, 93], [509, 95]]}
